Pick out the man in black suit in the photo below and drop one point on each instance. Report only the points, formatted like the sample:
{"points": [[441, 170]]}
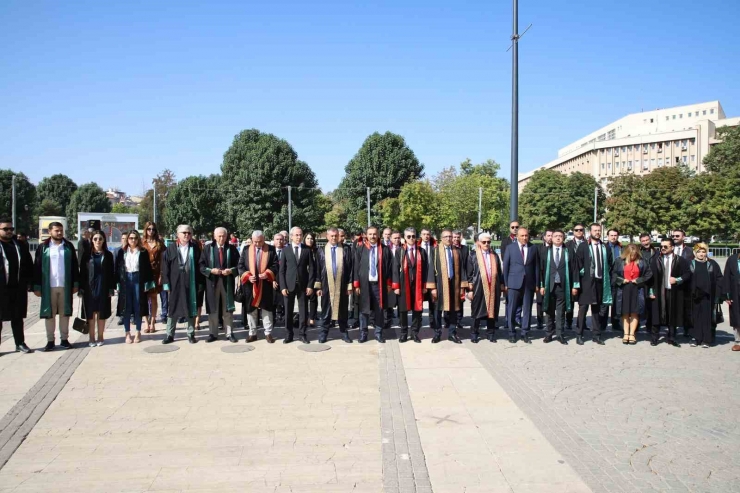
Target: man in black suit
{"points": [[521, 276], [685, 251], [372, 280], [542, 252], [595, 262], [505, 242], [671, 273], [278, 306], [16, 277], [429, 245], [297, 278], [647, 252], [579, 236], [558, 285]]}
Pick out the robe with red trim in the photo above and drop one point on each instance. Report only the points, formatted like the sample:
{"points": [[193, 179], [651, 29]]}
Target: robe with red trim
{"points": [[261, 294], [403, 267], [486, 290], [361, 274]]}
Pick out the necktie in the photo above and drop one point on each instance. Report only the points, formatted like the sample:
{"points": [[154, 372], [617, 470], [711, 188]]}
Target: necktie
{"points": [[450, 266], [296, 254], [279, 254], [373, 263], [259, 259], [557, 264], [334, 261], [488, 265], [598, 261], [667, 272], [523, 257], [412, 257], [221, 256]]}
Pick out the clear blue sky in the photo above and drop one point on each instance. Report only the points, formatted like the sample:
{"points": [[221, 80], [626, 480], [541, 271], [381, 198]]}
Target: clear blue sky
{"points": [[114, 92]]}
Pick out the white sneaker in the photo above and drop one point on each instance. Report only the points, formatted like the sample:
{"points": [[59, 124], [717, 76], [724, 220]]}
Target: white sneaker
{"points": [[92, 344], [101, 343], [693, 344], [705, 346]]}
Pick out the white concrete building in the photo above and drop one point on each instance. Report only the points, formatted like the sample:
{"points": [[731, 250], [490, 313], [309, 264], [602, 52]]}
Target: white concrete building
{"points": [[641, 142]]}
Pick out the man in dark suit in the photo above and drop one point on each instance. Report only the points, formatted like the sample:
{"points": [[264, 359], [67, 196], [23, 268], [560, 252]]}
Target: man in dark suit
{"points": [[685, 251], [595, 262], [647, 251], [671, 272], [558, 285], [538, 299], [579, 236], [297, 278], [16, 277], [334, 284], [372, 280], [505, 242], [429, 245], [278, 305], [521, 276], [457, 242]]}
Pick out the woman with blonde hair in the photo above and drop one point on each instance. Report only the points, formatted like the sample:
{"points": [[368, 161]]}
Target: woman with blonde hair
{"points": [[630, 273], [134, 280], [706, 294], [155, 248]]}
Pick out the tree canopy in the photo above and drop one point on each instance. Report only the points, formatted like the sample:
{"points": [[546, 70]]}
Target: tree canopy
{"points": [[25, 196], [58, 189]]}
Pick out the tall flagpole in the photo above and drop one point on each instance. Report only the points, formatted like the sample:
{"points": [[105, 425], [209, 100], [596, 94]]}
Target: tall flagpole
{"points": [[514, 203]]}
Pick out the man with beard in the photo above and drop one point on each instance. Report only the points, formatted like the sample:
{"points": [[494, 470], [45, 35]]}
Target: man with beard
{"points": [[558, 285], [16, 278], [411, 282], [671, 273], [647, 252], [595, 262], [579, 236], [541, 254]]}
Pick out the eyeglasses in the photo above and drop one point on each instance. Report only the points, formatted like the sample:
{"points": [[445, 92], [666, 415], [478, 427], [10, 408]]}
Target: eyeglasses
{"points": [[513, 227], [578, 229], [98, 239], [8, 229], [446, 236], [410, 237], [664, 247], [132, 238], [185, 233], [485, 242], [150, 229], [677, 236]]}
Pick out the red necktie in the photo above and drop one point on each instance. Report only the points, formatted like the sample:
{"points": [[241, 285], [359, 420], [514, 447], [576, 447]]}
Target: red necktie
{"points": [[221, 255], [522, 253]]}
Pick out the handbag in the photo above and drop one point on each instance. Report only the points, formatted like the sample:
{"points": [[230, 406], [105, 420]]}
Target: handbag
{"points": [[239, 293], [719, 317], [80, 324]]}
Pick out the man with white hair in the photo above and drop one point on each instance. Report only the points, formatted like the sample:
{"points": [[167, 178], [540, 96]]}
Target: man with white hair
{"points": [[297, 278], [258, 268], [485, 285], [218, 265], [182, 279], [334, 284], [278, 303]]}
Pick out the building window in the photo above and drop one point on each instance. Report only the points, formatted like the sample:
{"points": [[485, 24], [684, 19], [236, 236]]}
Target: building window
{"points": [[651, 120], [609, 151], [660, 162], [652, 146], [677, 144], [667, 118], [629, 165], [689, 114], [680, 115], [645, 165], [693, 158], [685, 159], [711, 112], [674, 117], [704, 112], [652, 162], [608, 165]]}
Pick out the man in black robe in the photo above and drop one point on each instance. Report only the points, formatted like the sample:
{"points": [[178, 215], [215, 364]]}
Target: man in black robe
{"points": [[395, 249], [647, 251], [595, 263], [258, 271], [485, 285], [429, 245], [541, 254], [334, 284], [297, 275], [558, 285], [182, 279], [683, 250], [278, 308], [459, 243], [372, 280], [579, 236], [218, 265], [671, 274], [16, 278], [411, 281], [731, 289], [451, 282]]}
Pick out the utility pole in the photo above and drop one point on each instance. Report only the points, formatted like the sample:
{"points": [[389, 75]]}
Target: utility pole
{"points": [[154, 192], [368, 207], [290, 208], [480, 206], [596, 200], [514, 202], [13, 198]]}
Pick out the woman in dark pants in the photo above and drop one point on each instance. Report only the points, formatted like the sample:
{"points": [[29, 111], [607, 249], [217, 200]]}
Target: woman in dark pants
{"points": [[706, 294], [313, 302], [134, 278], [97, 283]]}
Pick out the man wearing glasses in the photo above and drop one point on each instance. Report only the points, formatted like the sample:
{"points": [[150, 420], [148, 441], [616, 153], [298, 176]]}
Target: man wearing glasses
{"points": [[595, 261], [579, 236], [521, 276], [672, 272], [681, 250], [508, 240], [451, 285], [16, 277], [182, 279], [411, 281], [485, 285]]}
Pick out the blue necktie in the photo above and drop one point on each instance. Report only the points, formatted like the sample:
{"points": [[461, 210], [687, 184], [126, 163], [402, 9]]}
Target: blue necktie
{"points": [[373, 266], [450, 267], [334, 260]]}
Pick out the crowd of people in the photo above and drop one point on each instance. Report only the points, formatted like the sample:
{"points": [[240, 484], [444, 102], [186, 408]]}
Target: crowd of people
{"points": [[371, 279]]}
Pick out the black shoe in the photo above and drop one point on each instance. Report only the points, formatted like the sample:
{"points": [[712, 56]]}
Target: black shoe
{"points": [[653, 342], [212, 338], [474, 338], [512, 339], [597, 340], [304, 340], [288, 339], [579, 340], [22, 348], [233, 338], [363, 337], [356, 325], [49, 346], [547, 339], [436, 339], [346, 338], [491, 337], [322, 339], [673, 343], [459, 326], [65, 344], [168, 340], [120, 320], [181, 320], [540, 327], [415, 338], [525, 339], [562, 340], [403, 338], [192, 339], [454, 338], [380, 339], [686, 332]]}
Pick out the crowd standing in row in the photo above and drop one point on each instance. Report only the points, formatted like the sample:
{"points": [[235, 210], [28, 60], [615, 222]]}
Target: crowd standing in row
{"points": [[367, 279]]}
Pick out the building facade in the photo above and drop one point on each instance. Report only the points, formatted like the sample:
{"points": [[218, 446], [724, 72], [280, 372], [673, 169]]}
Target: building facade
{"points": [[642, 142]]}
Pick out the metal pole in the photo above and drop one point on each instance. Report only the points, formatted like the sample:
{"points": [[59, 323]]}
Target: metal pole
{"points": [[596, 200], [13, 195], [514, 203], [368, 207], [480, 206], [290, 208], [154, 214]]}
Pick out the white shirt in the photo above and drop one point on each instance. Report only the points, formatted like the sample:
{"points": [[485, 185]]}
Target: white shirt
{"points": [[678, 250], [557, 254], [56, 264], [667, 260], [292, 247], [487, 261], [526, 251], [132, 260], [370, 277], [426, 246], [184, 251], [596, 248]]}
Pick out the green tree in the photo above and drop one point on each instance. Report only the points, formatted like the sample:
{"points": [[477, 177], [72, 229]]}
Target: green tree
{"points": [[337, 215], [384, 163], [48, 207], [724, 156], [712, 205], [545, 201], [666, 203], [25, 196], [580, 193], [257, 170], [417, 206], [124, 209], [626, 205], [87, 198], [164, 182], [195, 201], [57, 188]]}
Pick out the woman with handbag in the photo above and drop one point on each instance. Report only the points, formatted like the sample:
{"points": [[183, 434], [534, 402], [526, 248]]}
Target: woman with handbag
{"points": [[97, 282], [705, 290], [135, 279], [155, 248], [629, 275], [313, 301]]}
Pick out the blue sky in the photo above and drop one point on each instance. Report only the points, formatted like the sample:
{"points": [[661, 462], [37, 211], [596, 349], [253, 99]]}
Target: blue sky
{"points": [[114, 92]]}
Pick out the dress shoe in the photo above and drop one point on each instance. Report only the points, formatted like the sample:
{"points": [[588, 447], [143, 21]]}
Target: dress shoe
{"points": [[120, 320], [673, 343], [65, 344], [597, 340], [491, 338], [305, 340], [23, 348], [252, 338], [415, 338], [454, 338], [579, 340], [192, 339], [653, 342], [322, 339], [562, 340], [168, 340], [474, 338], [232, 337], [346, 338], [547, 339], [403, 338], [49, 346], [526, 339], [270, 339], [212, 338], [380, 339], [459, 326], [288, 339], [363, 337], [736, 347], [436, 339]]}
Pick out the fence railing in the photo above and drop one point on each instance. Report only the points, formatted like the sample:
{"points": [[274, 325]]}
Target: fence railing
{"points": [[722, 251]]}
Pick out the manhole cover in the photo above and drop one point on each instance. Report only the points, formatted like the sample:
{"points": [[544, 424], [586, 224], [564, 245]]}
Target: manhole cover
{"points": [[161, 348], [314, 348], [237, 349]]}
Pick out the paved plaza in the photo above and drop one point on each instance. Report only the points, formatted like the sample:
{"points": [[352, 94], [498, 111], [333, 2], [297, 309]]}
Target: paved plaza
{"points": [[369, 417]]}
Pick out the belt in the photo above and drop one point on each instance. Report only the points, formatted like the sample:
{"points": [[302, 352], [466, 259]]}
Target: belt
{"points": [[373, 282]]}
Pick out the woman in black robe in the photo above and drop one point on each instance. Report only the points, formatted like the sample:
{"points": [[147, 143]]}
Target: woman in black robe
{"points": [[97, 283], [731, 290], [705, 291], [134, 278]]}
